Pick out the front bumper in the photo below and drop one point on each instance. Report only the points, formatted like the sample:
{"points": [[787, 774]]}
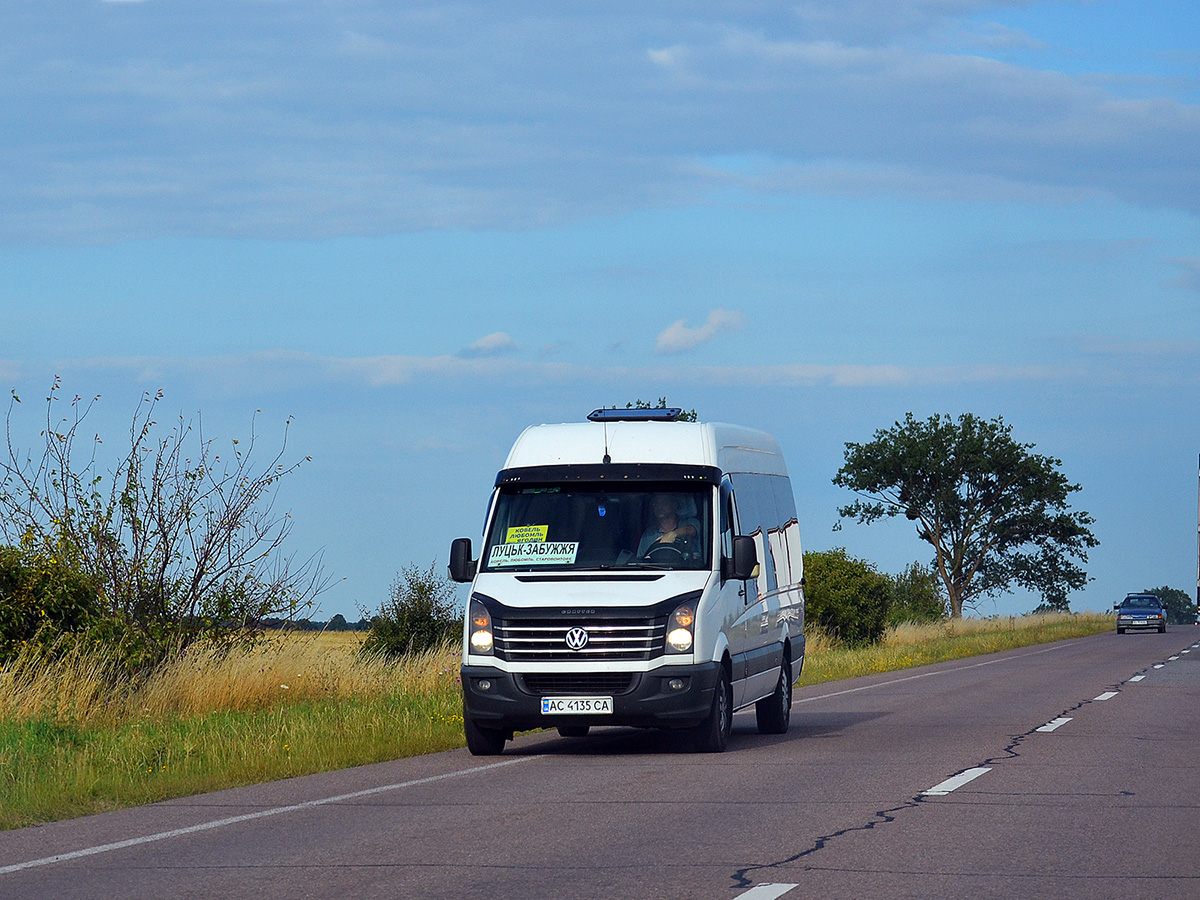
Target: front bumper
{"points": [[510, 705], [1154, 624]]}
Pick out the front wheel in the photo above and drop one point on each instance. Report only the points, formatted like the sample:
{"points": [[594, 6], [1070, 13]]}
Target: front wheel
{"points": [[482, 741], [774, 713], [712, 735]]}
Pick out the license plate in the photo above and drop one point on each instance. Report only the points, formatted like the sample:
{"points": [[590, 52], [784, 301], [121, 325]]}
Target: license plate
{"points": [[577, 706], [1139, 622]]}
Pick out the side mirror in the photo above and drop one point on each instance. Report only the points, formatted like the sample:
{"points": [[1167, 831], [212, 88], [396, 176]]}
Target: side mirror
{"points": [[745, 558], [462, 567]]}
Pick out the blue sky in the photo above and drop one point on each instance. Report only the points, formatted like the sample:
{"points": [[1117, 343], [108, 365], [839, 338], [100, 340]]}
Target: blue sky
{"points": [[417, 228]]}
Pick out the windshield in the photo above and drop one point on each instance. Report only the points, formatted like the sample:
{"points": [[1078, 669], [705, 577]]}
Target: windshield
{"points": [[588, 526], [1141, 603]]}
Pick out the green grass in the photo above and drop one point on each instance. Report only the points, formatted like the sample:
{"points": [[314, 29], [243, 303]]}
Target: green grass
{"points": [[55, 770]]}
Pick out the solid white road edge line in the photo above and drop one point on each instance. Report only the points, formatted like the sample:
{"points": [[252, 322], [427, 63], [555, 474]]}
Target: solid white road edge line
{"points": [[261, 814], [1107, 695], [955, 782], [1055, 723], [766, 891]]}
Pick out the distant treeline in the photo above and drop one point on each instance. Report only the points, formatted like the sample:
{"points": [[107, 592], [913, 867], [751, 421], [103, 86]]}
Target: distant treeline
{"points": [[337, 623]]}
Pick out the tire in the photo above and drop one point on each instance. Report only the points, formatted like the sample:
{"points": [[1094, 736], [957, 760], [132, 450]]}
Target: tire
{"points": [[774, 713], [483, 741], [1120, 631], [573, 731], [1162, 629], [712, 735]]}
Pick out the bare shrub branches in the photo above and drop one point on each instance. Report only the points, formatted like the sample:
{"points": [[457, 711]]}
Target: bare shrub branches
{"points": [[181, 539]]}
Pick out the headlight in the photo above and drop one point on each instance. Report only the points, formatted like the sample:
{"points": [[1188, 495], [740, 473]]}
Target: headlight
{"points": [[680, 629], [479, 628]]}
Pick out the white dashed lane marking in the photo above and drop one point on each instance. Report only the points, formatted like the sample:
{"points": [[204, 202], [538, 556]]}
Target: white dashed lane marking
{"points": [[766, 891], [1107, 695], [1055, 723], [1137, 677], [955, 782]]}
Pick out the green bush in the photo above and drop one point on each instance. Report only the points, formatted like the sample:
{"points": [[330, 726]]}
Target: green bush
{"points": [[41, 599], [917, 596], [1180, 608], [420, 613], [847, 597]]}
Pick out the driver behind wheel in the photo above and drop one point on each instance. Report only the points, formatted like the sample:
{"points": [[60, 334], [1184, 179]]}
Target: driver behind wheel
{"points": [[667, 525]]}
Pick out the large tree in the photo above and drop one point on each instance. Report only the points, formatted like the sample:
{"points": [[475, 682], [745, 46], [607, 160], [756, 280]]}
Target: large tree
{"points": [[1180, 608], [996, 513]]}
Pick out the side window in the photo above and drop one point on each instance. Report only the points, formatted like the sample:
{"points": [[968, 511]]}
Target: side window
{"points": [[757, 515], [766, 571], [785, 535]]}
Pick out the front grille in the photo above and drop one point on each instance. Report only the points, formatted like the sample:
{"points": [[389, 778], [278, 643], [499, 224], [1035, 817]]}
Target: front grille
{"points": [[545, 640], [583, 683]]}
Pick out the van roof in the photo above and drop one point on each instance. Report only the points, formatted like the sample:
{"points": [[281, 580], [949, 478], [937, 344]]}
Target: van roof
{"points": [[731, 448]]}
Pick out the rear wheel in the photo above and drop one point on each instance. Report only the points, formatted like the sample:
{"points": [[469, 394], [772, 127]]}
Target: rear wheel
{"points": [[774, 713], [573, 730], [483, 741], [712, 735]]}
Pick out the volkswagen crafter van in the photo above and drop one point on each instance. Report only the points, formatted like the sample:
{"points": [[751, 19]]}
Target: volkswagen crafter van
{"points": [[635, 570]]}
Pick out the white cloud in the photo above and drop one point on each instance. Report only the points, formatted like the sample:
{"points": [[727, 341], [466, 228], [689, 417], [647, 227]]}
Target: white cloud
{"points": [[496, 344], [678, 337], [278, 371], [361, 118]]}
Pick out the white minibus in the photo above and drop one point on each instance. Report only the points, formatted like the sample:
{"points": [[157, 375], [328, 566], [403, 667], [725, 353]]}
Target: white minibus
{"points": [[635, 570]]}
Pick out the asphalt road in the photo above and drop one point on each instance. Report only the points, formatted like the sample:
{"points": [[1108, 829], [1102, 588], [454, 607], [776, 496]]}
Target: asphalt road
{"points": [[1070, 770]]}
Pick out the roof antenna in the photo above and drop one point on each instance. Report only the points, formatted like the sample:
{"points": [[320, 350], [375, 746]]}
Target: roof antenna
{"points": [[607, 459]]}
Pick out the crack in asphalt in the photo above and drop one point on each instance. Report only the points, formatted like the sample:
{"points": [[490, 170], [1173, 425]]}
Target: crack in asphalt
{"points": [[741, 877]]}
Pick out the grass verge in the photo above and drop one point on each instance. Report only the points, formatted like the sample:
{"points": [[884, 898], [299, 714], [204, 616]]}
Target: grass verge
{"points": [[75, 738], [908, 646]]}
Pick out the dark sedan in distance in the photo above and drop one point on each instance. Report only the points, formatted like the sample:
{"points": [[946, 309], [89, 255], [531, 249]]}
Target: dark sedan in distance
{"points": [[1141, 611]]}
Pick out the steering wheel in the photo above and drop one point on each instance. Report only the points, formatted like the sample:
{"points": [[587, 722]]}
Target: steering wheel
{"points": [[666, 554]]}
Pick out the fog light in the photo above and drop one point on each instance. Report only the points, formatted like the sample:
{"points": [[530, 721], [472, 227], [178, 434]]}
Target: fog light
{"points": [[484, 684], [676, 684]]}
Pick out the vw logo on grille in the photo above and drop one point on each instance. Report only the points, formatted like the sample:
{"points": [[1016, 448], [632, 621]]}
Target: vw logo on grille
{"points": [[577, 639]]}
